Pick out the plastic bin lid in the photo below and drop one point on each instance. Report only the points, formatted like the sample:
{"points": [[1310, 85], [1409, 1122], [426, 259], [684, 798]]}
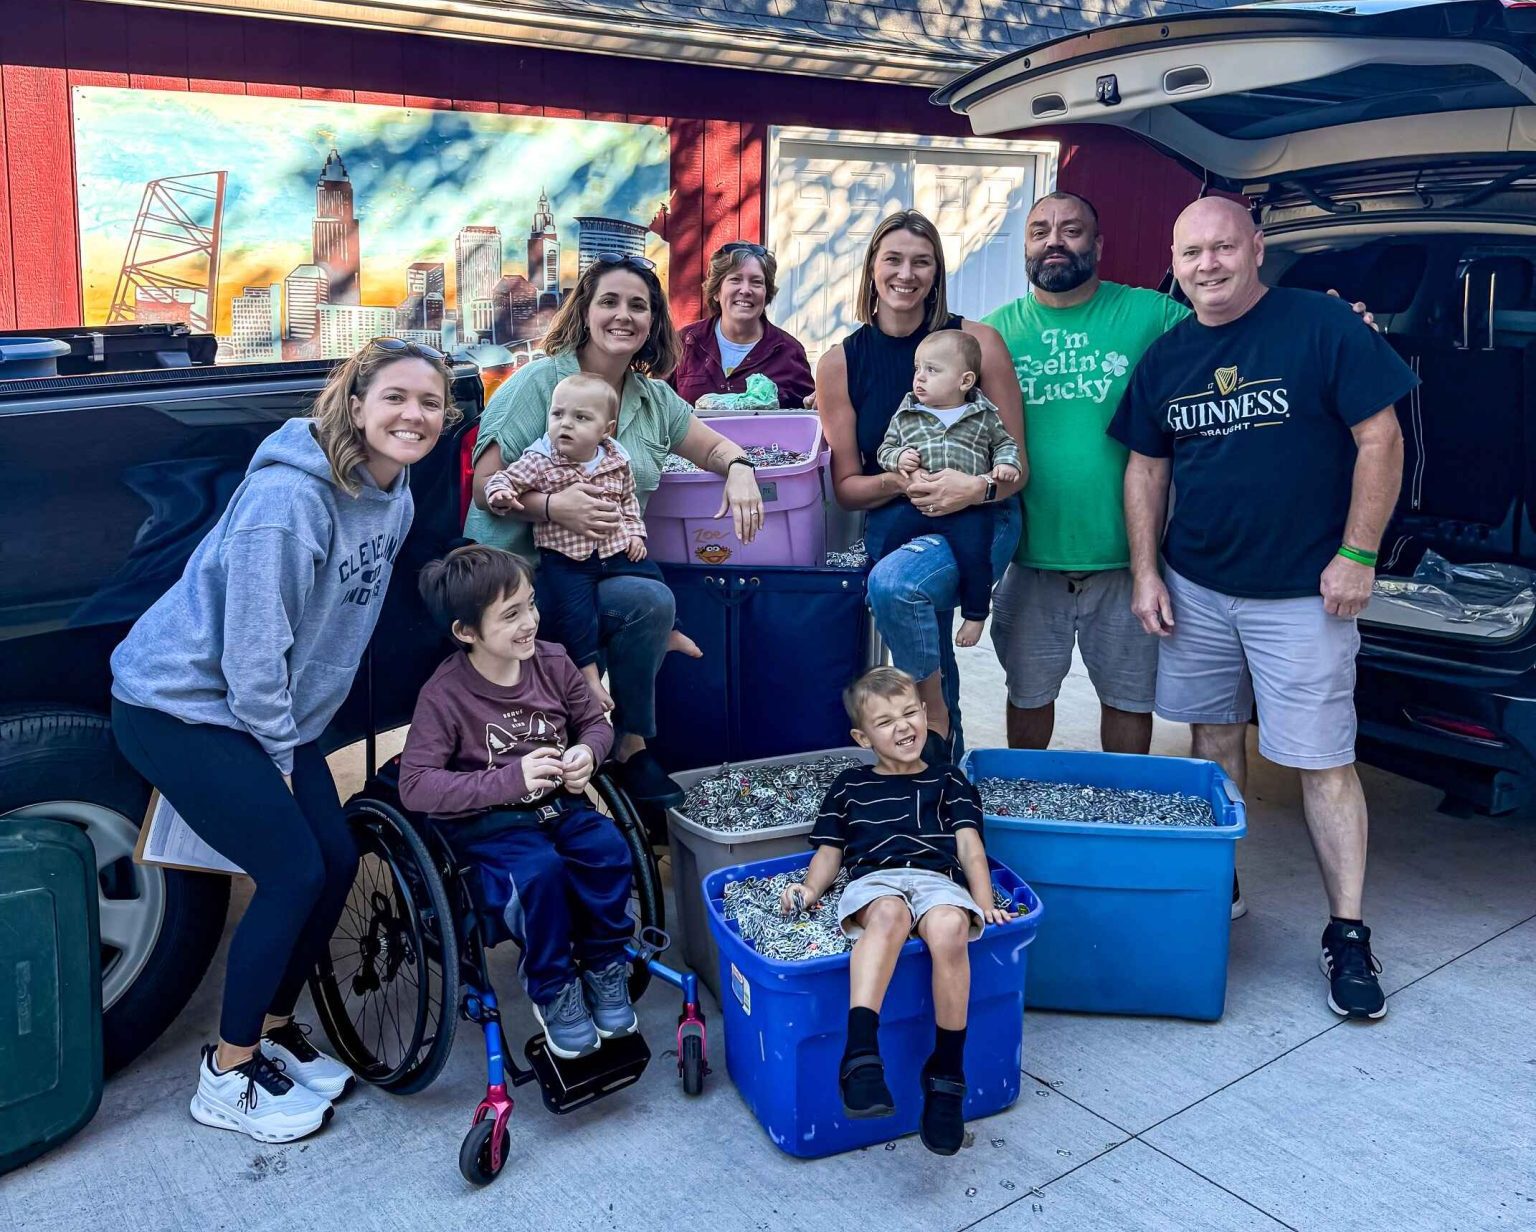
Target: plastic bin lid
{"points": [[12, 349]]}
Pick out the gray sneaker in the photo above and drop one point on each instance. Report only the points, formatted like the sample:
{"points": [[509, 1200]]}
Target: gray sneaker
{"points": [[568, 1028], [608, 998]]}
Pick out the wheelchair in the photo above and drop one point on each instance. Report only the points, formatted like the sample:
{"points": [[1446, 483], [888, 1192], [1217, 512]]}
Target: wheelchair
{"points": [[408, 960]]}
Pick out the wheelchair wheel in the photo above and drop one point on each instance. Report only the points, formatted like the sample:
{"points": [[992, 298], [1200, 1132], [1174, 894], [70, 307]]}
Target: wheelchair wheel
{"points": [[645, 904], [387, 989], [475, 1160]]}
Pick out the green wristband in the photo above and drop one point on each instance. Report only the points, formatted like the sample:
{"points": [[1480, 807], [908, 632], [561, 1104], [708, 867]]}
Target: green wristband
{"points": [[1358, 555]]}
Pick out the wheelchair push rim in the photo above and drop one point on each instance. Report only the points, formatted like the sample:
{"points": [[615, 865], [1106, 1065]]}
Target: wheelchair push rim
{"points": [[386, 989]]}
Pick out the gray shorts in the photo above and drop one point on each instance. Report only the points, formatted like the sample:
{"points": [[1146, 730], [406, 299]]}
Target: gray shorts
{"points": [[1289, 655], [922, 889], [1037, 614]]}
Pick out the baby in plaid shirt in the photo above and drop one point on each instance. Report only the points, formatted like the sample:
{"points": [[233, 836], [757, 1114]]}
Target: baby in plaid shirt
{"points": [[946, 422], [578, 448]]}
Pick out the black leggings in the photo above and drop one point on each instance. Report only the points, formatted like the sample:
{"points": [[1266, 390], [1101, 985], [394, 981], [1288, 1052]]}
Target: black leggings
{"points": [[296, 847]]}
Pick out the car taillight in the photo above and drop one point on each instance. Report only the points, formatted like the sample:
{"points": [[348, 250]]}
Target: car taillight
{"points": [[1466, 729], [467, 471]]}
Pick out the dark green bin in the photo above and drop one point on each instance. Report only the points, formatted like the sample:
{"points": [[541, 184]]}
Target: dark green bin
{"points": [[50, 987]]}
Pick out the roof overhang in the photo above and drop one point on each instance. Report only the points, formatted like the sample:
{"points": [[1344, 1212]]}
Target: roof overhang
{"points": [[654, 38]]}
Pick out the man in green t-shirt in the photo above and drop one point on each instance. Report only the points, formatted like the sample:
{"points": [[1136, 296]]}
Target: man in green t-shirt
{"points": [[1074, 343]]}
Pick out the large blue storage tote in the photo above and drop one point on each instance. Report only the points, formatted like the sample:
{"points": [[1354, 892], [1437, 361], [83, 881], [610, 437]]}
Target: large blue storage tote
{"points": [[780, 644], [1139, 915], [786, 1024]]}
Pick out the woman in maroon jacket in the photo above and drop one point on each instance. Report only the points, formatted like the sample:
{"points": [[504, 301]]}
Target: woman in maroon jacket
{"points": [[736, 339]]}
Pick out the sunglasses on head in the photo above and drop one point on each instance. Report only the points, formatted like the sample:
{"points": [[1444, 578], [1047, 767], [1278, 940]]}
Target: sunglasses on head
{"points": [[625, 259], [757, 250], [399, 346]]}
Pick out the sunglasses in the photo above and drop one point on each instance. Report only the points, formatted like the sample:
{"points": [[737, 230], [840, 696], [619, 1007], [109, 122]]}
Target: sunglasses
{"points": [[757, 250], [624, 258], [399, 346]]}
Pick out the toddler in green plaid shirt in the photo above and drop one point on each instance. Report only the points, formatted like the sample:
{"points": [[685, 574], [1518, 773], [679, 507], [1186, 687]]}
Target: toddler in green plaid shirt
{"points": [[946, 422]]}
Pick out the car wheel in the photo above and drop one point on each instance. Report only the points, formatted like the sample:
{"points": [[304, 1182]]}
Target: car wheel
{"points": [[159, 927]]}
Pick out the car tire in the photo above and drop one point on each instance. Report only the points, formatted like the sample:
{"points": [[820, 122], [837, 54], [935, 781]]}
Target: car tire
{"points": [[64, 763]]}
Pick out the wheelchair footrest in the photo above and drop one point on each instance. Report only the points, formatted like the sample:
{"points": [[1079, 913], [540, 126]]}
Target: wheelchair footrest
{"points": [[567, 1085]]}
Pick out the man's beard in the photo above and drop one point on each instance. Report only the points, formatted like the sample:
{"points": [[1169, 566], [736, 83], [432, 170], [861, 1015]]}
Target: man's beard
{"points": [[1079, 269]]}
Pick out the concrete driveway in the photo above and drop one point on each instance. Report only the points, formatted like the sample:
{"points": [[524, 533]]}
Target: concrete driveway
{"points": [[1278, 1116]]}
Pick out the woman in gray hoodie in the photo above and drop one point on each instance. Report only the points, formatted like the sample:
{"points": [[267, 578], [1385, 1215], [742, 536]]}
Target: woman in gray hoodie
{"points": [[221, 690]]}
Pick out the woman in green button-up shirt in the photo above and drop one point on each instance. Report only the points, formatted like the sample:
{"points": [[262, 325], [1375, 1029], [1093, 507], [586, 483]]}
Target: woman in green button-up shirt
{"points": [[614, 324]]}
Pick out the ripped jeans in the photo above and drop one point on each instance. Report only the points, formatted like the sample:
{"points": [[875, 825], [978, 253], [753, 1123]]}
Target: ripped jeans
{"points": [[913, 593]]}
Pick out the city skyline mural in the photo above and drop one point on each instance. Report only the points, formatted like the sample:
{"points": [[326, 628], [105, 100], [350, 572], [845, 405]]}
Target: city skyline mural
{"points": [[299, 228]]}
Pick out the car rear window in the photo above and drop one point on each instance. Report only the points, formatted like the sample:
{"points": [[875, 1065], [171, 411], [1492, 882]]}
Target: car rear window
{"points": [[1369, 92]]}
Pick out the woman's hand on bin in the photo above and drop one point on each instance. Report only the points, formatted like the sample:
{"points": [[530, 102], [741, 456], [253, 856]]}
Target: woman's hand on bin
{"points": [[796, 898], [745, 501]]}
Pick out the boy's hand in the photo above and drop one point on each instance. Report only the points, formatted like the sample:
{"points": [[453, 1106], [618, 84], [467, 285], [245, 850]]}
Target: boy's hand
{"points": [[997, 915], [1003, 472], [636, 550], [501, 501], [796, 897], [908, 461], [543, 770], [577, 767]]}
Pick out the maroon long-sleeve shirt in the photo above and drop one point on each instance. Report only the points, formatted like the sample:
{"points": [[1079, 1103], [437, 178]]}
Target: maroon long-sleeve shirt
{"points": [[468, 737]]}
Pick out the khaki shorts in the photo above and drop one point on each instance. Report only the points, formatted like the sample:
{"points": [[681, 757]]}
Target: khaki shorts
{"points": [[921, 889], [1289, 655], [1037, 615]]}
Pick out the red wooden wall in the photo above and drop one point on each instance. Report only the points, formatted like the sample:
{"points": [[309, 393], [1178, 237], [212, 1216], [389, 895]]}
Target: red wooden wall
{"points": [[718, 120]]}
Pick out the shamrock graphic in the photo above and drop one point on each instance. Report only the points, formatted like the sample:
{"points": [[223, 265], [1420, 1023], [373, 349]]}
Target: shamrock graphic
{"points": [[1115, 364]]}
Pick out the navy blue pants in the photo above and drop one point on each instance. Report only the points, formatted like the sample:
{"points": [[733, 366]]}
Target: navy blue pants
{"points": [[968, 532], [562, 887], [567, 594], [294, 845]]}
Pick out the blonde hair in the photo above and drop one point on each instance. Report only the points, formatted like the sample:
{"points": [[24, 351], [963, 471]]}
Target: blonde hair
{"points": [[590, 381], [727, 259], [963, 348], [918, 225], [879, 682], [569, 331]]}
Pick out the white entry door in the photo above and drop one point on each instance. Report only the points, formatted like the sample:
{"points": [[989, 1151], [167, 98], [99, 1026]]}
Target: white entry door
{"points": [[828, 191]]}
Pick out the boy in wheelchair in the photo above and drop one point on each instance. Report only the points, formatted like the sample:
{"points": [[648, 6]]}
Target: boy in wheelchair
{"points": [[505, 738]]}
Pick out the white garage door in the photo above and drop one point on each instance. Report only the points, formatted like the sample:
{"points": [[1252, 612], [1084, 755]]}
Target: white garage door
{"points": [[828, 191]]}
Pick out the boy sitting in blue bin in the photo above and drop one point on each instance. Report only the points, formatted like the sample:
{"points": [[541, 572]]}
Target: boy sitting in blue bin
{"points": [[910, 835]]}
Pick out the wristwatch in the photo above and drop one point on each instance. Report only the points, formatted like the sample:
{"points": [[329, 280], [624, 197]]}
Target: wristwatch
{"points": [[991, 492]]}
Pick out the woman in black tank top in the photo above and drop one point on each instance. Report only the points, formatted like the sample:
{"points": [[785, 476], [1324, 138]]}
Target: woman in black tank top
{"points": [[859, 385]]}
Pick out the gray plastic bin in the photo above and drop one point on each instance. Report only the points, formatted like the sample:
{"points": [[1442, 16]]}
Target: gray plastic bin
{"points": [[697, 852]]}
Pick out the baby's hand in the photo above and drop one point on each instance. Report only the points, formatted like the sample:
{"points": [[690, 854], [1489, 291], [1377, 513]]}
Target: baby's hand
{"points": [[997, 915], [501, 501], [796, 898], [1003, 472], [636, 550], [908, 461]]}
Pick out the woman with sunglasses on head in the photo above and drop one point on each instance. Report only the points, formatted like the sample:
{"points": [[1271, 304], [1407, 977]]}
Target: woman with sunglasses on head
{"points": [[736, 339], [860, 384], [222, 689], [615, 325]]}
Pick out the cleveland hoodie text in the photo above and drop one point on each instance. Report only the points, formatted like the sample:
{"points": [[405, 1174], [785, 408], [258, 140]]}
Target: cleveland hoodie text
{"points": [[265, 629]]}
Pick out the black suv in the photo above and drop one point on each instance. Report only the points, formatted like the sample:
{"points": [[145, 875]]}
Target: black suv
{"points": [[1389, 149], [108, 480]]}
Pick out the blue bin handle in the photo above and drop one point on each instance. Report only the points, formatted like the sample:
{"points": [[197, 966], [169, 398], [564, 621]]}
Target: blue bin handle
{"points": [[1234, 797]]}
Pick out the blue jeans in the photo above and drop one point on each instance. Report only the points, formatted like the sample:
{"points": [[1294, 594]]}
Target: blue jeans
{"points": [[635, 618], [913, 593]]}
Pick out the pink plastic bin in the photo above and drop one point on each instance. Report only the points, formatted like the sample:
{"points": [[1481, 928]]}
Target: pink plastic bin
{"points": [[680, 517]]}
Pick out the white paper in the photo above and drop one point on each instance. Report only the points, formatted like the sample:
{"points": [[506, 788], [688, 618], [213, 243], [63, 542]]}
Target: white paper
{"points": [[170, 840]]}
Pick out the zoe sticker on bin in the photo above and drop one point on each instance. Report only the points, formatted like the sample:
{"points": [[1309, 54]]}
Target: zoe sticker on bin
{"points": [[713, 553]]}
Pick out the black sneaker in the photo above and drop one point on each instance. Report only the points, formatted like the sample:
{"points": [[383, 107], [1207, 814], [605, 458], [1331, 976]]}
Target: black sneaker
{"points": [[1351, 968], [647, 783], [1239, 907]]}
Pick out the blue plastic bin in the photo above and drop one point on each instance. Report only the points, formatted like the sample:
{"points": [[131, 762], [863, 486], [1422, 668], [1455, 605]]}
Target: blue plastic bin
{"points": [[1139, 915], [786, 1025]]}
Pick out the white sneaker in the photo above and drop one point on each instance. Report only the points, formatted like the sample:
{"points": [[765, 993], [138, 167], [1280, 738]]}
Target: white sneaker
{"points": [[258, 1099], [302, 1061]]}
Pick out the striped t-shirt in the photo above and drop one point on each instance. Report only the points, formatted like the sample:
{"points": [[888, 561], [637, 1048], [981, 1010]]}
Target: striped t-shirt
{"points": [[898, 820]]}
